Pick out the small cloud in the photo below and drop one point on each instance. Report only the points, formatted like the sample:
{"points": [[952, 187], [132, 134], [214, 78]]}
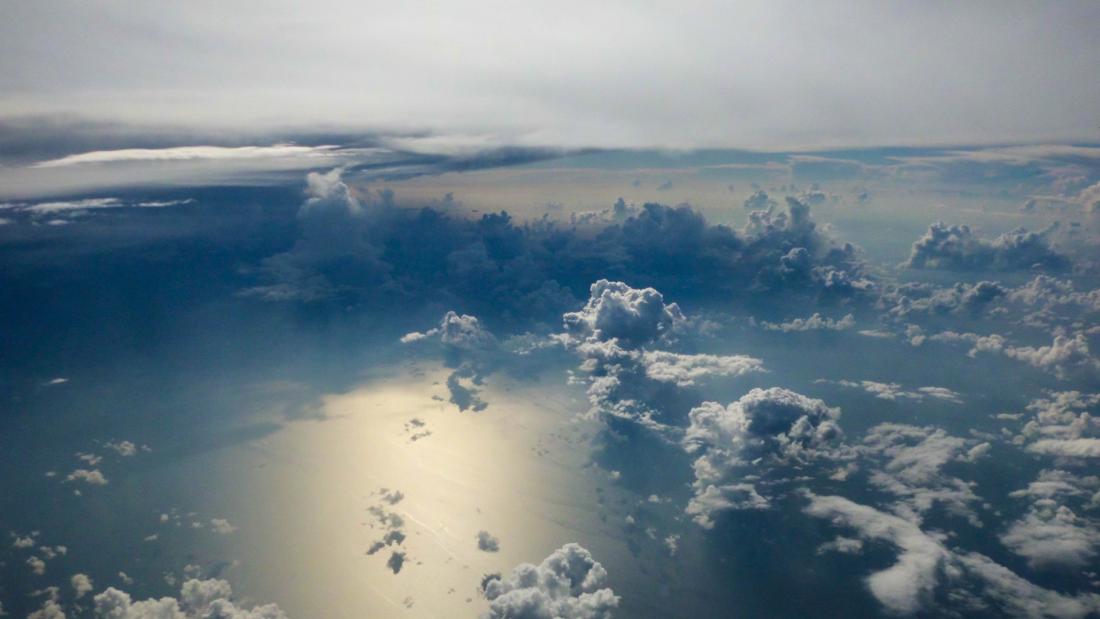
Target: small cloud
{"points": [[487, 542]]}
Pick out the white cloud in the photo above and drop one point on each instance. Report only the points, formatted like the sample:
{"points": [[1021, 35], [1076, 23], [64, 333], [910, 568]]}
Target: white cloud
{"points": [[906, 585], [197, 598], [186, 153], [93, 477], [1052, 535], [814, 323], [222, 526], [764, 428], [568, 584], [685, 370], [81, 585], [487, 542]]}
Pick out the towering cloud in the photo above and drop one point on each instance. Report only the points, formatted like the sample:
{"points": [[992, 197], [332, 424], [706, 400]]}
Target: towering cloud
{"points": [[765, 428]]}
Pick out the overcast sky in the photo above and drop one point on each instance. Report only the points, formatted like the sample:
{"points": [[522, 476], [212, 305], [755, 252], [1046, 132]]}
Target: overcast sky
{"points": [[761, 75]]}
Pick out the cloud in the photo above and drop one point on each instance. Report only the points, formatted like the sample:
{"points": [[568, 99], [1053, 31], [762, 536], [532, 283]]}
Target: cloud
{"points": [[1065, 424], [487, 542], [187, 153], [568, 584], [913, 299], [956, 248], [197, 598], [459, 331], [911, 462], [616, 333], [894, 391], [766, 427], [634, 317], [81, 585], [758, 201], [1052, 535], [685, 370], [1065, 356], [222, 526], [358, 249], [93, 477], [814, 323], [905, 586], [38, 566]]}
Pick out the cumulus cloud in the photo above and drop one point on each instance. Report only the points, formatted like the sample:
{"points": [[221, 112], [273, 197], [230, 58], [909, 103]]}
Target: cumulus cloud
{"points": [[620, 334], [957, 248], [914, 299], [486, 542], [1065, 356], [615, 311], [758, 201], [357, 247], [569, 584], [1065, 425], [764, 428], [81, 585], [197, 599], [457, 330]]}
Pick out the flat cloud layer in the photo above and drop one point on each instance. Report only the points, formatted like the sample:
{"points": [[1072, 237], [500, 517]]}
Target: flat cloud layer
{"points": [[613, 74]]}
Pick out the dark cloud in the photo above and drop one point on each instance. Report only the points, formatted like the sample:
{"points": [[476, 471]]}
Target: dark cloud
{"points": [[357, 248], [957, 248]]}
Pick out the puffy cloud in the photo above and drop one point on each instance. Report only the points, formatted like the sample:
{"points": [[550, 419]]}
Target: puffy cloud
{"points": [[814, 323], [758, 201], [1066, 355], [198, 599], [81, 585], [93, 477], [763, 428], [38, 566], [956, 248], [627, 380], [457, 330], [1065, 425], [51, 609], [634, 317], [568, 584], [486, 542], [123, 448], [908, 300], [466, 343]]}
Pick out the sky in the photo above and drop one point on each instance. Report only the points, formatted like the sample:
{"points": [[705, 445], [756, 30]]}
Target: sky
{"points": [[758, 75], [522, 311]]}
